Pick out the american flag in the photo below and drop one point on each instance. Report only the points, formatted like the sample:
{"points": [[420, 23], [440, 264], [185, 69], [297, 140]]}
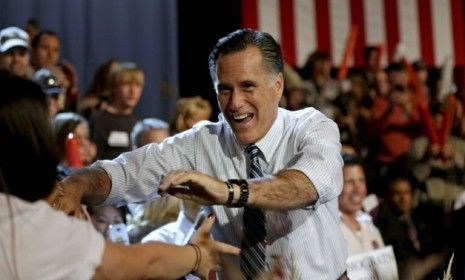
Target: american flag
{"points": [[430, 30]]}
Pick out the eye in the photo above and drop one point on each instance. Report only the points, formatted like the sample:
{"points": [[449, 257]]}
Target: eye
{"points": [[224, 89], [249, 88], [102, 221]]}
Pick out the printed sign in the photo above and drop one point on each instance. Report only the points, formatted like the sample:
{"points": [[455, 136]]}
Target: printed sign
{"points": [[378, 264]]}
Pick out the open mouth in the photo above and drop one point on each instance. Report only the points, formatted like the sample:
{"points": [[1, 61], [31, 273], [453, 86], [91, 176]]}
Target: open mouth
{"points": [[239, 118]]}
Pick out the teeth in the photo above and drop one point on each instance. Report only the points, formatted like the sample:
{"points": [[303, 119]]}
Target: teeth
{"points": [[240, 117]]}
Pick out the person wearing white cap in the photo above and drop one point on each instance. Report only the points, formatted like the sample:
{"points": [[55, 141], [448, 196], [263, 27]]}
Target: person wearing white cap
{"points": [[14, 51]]}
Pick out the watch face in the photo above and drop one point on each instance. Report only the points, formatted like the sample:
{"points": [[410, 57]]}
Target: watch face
{"points": [[244, 194]]}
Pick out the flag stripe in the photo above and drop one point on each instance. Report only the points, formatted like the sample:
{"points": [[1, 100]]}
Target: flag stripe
{"points": [[249, 14], [409, 31], [305, 26], [322, 26], [457, 12], [358, 19], [339, 14], [426, 40], [426, 29], [287, 30], [442, 30], [375, 29], [392, 27], [269, 18]]}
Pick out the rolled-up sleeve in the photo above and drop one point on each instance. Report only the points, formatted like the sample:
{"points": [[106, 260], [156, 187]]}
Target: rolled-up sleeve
{"points": [[136, 175], [318, 156]]}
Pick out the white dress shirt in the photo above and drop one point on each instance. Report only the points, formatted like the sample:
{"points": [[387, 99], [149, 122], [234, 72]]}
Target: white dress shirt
{"points": [[172, 233], [309, 241], [368, 238]]}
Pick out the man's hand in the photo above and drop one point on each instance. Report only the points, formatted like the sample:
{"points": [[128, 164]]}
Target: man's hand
{"points": [[195, 186], [87, 185], [66, 198]]}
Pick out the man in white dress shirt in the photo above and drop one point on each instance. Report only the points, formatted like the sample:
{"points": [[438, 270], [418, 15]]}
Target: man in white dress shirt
{"points": [[299, 153]]}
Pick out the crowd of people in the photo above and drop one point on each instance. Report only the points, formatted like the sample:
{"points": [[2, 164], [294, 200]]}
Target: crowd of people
{"points": [[300, 171]]}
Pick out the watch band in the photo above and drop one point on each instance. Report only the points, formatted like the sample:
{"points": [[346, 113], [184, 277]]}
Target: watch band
{"points": [[244, 192]]}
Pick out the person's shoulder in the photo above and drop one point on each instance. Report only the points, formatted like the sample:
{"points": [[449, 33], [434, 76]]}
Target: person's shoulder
{"points": [[207, 128], [304, 116], [164, 233], [98, 116], [308, 112]]}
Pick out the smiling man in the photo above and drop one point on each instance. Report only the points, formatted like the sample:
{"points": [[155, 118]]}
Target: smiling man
{"points": [[272, 176]]}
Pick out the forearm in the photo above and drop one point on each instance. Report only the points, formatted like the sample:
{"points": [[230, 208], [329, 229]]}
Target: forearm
{"points": [[93, 183], [289, 189], [146, 261]]}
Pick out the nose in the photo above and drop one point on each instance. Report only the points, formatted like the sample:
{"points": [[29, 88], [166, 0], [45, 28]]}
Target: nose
{"points": [[16, 57], [236, 101]]}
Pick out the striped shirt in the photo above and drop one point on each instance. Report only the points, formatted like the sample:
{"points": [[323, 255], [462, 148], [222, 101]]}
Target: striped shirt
{"points": [[308, 241]]}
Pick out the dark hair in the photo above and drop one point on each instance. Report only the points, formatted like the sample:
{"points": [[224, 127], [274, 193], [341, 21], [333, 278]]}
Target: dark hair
{"points": [[123, 210], [241, 39], [368, 50], [395, 67], [351, 159], [27, 162], [101, 79], [33, 22], [35, 41], [397, 174], [307, 70]]}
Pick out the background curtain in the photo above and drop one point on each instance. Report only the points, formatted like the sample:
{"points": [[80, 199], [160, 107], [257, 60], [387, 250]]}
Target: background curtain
{"points": [[93, 31]]}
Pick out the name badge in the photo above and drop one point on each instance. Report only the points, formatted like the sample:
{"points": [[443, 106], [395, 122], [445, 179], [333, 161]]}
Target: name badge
{"points": [[118, 139]]}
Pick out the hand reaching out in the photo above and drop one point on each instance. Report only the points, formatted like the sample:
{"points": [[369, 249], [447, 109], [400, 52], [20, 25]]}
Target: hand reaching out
{"points": [[67, 199], [195, 186], [210, 250]]}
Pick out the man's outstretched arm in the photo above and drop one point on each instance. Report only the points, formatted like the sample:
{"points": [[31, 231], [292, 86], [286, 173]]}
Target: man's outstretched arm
{"points": [[89, 185]]}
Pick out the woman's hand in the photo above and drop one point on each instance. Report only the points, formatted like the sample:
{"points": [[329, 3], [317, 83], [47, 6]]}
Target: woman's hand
{"points": [[210, 251]]}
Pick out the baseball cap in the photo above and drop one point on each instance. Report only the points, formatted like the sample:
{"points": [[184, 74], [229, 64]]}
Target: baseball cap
{"points": [[47, 80], [11, 37]]}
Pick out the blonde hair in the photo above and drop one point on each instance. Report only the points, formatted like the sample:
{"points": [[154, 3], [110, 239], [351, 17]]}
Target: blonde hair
{"points": [[127, 72], [188, 107]]}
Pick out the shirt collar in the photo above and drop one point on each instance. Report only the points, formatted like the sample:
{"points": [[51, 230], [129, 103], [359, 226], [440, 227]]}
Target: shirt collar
{"points": [[267, 144]]}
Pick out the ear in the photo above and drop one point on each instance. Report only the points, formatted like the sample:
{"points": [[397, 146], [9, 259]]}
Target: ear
{"points": [[279, 86]]}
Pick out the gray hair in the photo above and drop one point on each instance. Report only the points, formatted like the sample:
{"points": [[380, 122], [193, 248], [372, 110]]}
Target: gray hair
{"points": [[241, 39], [146, 125]]}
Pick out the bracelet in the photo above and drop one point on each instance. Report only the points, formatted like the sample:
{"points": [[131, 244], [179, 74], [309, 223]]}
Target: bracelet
{"points": [[230, 193], [198, 257], [244, 197]]}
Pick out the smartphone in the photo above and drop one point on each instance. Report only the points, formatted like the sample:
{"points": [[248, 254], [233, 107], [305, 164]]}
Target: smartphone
{"points": [[118, 233]]}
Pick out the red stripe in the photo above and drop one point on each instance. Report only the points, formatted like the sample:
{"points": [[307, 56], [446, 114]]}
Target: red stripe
{"points": [[457, 12], [357, 19], [392, 27], [426, 36], [322, 26], [249, 14], [287, 30]]}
